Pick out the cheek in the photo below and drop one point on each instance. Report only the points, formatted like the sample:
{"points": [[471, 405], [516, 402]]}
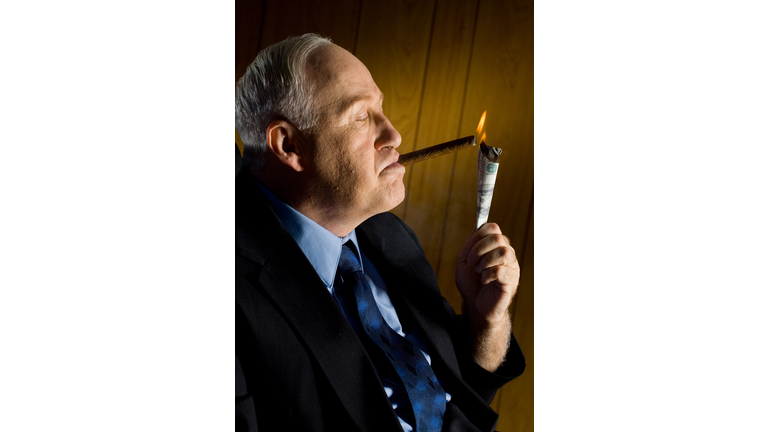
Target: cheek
{"points": [[348, 162], [356, 160], [328, 158]]}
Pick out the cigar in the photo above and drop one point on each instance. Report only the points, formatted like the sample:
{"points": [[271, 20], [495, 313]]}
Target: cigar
{"points": [[436, 150]]}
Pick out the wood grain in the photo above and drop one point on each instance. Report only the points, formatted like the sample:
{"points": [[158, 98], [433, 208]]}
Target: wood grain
{"points": [[514, 402], [501, 82], [337, 20], [429, 183], [248, 15], [393, 43]]}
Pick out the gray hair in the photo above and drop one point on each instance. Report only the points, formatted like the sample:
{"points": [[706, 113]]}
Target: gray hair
{"points": [[275, 87]]}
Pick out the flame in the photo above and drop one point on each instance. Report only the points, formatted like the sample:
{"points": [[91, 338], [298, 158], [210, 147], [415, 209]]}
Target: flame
{"points": [[483, 138], [482, 122]]}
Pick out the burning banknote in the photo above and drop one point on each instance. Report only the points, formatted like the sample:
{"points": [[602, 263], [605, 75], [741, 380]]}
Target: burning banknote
{"points": [[487, 168]]}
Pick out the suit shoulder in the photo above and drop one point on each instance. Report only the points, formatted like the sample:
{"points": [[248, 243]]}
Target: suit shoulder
{"points": [[390, 221]]}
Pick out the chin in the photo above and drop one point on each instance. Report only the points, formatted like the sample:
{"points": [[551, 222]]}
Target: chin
{"points": [[396, 196]]}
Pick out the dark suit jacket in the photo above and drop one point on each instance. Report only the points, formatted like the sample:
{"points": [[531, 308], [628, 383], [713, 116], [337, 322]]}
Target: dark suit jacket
{"points": [[299, 366]]}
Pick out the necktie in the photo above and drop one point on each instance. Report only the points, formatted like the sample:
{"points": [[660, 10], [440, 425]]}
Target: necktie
{"points": [[424, 392]]}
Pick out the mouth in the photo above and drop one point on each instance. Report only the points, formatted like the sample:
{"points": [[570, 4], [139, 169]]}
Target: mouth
{"points": [[394, 159], [393, 162]]}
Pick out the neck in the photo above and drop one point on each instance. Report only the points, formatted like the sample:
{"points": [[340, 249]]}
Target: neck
{"points": [[304, 198], [331, 220]]}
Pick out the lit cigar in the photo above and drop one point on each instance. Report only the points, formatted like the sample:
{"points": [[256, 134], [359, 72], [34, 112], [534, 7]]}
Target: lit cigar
{"points": [[436, 150]]}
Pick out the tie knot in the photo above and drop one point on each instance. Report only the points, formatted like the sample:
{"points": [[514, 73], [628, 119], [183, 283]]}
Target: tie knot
{"points": [[348, 261]]}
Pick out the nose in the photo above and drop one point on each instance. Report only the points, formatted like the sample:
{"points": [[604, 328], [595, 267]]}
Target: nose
{"points": [[388, 136]]}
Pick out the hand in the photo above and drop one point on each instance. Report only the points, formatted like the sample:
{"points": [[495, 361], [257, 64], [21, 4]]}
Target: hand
{"points": [[487, 274]]}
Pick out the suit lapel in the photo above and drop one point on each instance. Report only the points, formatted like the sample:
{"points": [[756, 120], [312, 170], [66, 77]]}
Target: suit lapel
{"points": [[409, 276], [288, 278]]}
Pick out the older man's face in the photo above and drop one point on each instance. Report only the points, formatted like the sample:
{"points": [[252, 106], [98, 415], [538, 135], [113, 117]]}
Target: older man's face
{"points": [[354, 157]]}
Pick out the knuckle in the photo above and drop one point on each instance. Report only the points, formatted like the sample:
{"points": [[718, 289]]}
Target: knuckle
{"points": [[508, 254], [494, 272]]}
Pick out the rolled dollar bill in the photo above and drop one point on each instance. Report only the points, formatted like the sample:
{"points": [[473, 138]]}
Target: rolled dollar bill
{"points": [[487, 167]]}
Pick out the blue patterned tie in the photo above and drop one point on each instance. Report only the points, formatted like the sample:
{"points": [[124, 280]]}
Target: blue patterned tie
{"points": [[424, 392]]}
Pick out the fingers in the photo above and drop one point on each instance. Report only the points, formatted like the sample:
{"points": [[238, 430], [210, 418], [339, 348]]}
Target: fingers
{"points": [[489, 238], [492, 256], [476, 236], [485, 230], [508, 277], [500, 256]]}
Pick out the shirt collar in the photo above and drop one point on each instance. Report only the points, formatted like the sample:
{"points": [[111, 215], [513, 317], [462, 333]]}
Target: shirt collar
{"points": [[321, 247]]}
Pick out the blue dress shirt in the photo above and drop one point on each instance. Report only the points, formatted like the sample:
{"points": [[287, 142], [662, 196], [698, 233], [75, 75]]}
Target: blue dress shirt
{"points": [[323, 249]]}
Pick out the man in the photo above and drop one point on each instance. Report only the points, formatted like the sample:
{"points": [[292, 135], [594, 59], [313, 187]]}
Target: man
{"points": [[316, 246]]}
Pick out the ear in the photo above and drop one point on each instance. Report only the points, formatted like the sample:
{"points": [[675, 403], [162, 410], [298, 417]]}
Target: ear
{"points": [[285, 142]]}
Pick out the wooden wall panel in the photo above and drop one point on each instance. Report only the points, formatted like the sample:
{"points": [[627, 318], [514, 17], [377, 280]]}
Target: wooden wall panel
{"points": [[501, 82], [393, 43], [248, 14], [429, 182], [514, 402], [337, 19]]}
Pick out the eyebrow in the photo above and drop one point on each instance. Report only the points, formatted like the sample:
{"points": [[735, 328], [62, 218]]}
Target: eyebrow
{"points": [[344, 104]]}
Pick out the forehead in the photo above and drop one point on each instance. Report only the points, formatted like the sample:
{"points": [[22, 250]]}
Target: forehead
{"points": [[340, 80]]}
